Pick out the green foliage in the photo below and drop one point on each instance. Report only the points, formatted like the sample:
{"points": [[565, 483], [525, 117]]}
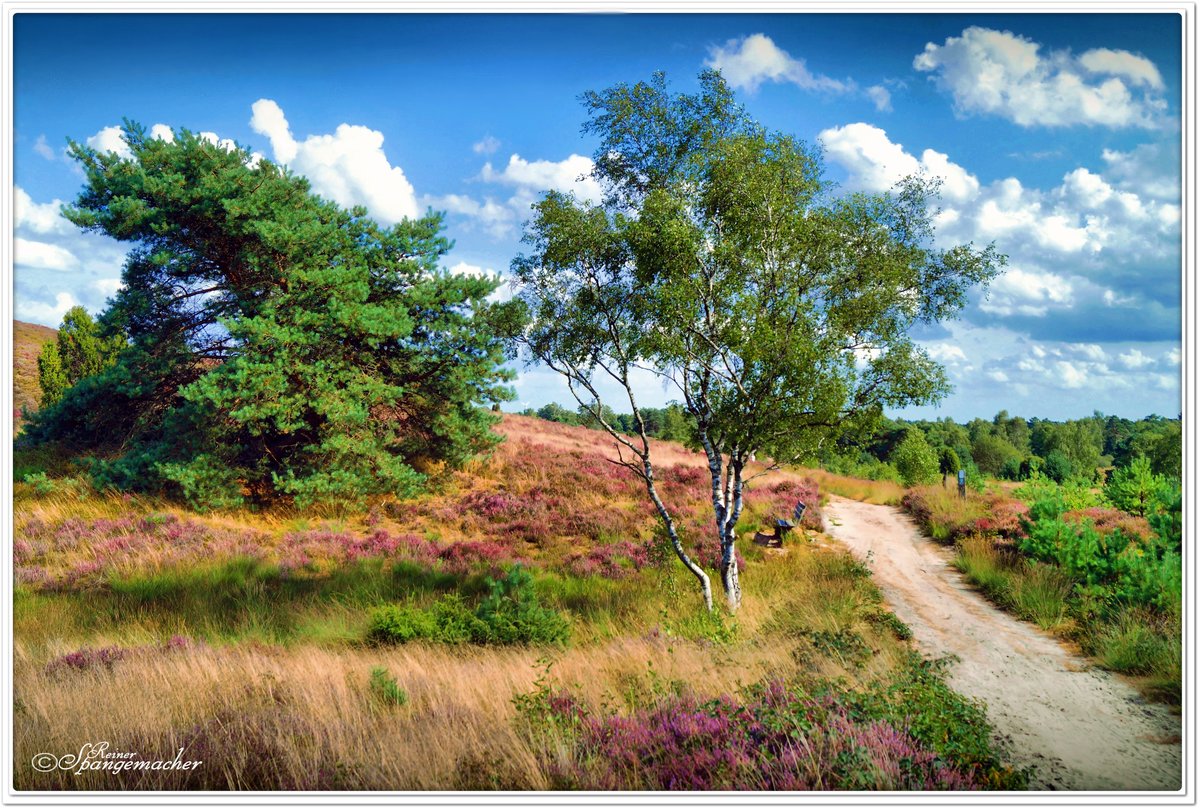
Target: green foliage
{"points": [[948, 463], [510, 613], [1080, 443], [721, 258], [1057, 466], [52, 376], [1135, 488], [278, 346], [79, 351], [915, 460], [919, 699], [991, 452], [386, 689]]}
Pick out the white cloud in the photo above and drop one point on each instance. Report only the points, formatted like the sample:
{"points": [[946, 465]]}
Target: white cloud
{"points": [[108, 286], [38, 218], [997, 376], [572, 174], [876, 163], [39, 312], [1173, 356], [1149, 170], [748, 62], [1134, 359], [1138, 69], [1001, 73], [1088, 242], [880, 97], [109, 139], [488, 145], [42, 148], [162, 132], [946, 352], [1072, 375], [1028, 293], [348, 167], [41, 255], [1090, 351]]}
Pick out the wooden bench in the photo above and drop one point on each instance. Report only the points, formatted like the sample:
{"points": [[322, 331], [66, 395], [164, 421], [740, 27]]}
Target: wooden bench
{"points": [[782, 529]]}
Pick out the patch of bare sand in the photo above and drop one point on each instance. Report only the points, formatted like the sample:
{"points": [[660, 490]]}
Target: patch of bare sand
{"points": [[1079, 727]]}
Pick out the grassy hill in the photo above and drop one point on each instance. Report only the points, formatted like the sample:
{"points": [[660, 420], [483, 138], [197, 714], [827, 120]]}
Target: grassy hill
{"points": [[384, 650], [28, 339]]}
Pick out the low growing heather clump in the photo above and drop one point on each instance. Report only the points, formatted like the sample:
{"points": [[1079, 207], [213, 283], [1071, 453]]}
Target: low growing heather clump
{"points": [[773, 737]]}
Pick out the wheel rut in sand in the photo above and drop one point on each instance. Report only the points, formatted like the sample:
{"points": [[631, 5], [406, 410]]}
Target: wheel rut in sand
{"points": [[1081, 728]]}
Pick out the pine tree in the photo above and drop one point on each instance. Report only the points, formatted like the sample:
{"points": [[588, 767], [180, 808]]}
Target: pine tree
{"points": [[279, 346]]}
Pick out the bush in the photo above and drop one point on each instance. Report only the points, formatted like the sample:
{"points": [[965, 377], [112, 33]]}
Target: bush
{"points": [[772, 737], [914, 459], [385, 688], [509, 614]]}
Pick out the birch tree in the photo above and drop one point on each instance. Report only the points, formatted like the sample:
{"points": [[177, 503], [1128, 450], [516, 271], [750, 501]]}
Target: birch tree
{"points": [[722, 262]]}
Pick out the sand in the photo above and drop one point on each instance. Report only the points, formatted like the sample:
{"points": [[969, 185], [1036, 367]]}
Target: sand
{"points": [[1081, 728]]}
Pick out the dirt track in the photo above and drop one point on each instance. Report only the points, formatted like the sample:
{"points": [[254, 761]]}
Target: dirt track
{"points": [[1080, 727]]}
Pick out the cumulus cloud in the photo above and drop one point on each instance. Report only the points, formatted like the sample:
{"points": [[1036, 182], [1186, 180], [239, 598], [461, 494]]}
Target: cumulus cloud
{"points": [[1001, 73], [876, 163], [1148, 170], [1090, 243], [1134, 358], [528, 180], [109, 139], [38, 218], [572, 174], [51, 256], [1028, 293], [747, 62], [348, 167], [946, 352], [51, 314], [42, 255]]}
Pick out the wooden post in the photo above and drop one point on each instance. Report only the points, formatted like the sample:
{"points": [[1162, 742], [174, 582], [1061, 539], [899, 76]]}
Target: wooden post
{"points": [[962, 483]]}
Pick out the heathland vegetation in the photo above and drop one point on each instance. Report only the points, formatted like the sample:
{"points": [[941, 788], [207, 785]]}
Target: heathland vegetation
{"points": [[267, 512]]}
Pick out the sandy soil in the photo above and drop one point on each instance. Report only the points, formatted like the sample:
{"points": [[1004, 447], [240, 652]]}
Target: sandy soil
{"points": [[1079, 727]]}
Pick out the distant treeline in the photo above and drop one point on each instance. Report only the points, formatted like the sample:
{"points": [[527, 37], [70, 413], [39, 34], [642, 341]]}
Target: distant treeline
{"points": [[670, 423], [1007, 447]]}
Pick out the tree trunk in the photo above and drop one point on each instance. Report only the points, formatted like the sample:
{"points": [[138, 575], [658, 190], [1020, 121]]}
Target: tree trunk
{"points": [[729, 576], [673, 535]]}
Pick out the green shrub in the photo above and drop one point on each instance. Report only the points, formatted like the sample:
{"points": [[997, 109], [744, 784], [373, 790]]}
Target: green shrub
{"points": [[384, 687], [510, 613], [914, 459], [919, 699]]}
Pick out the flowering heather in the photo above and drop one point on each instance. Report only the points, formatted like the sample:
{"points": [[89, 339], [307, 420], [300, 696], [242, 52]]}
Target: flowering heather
{"points": [[463, 557], [106, 657], [615, 561], [776, 739], [780, 500], [1108, 520], [86, 658]]}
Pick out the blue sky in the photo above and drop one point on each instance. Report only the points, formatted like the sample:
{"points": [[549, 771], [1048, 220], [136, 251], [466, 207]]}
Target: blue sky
{"points": [[1056, 136]]}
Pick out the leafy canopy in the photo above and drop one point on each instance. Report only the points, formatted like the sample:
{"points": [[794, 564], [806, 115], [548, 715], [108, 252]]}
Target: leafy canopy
{"points": [[721, 261], [279, 346], [78, 351]]}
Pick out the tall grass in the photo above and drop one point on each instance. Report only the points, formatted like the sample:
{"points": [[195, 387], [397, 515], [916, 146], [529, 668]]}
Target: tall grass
{"points": [[880, 492]]}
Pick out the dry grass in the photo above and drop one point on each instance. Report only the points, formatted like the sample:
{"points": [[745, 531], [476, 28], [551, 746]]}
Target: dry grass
{"points": [[880, 492], [276, 694], [28, 339], [306, 712]]}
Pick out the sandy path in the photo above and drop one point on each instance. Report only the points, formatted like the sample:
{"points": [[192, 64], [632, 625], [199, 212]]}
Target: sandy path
{"points": [[1080, 727]]}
